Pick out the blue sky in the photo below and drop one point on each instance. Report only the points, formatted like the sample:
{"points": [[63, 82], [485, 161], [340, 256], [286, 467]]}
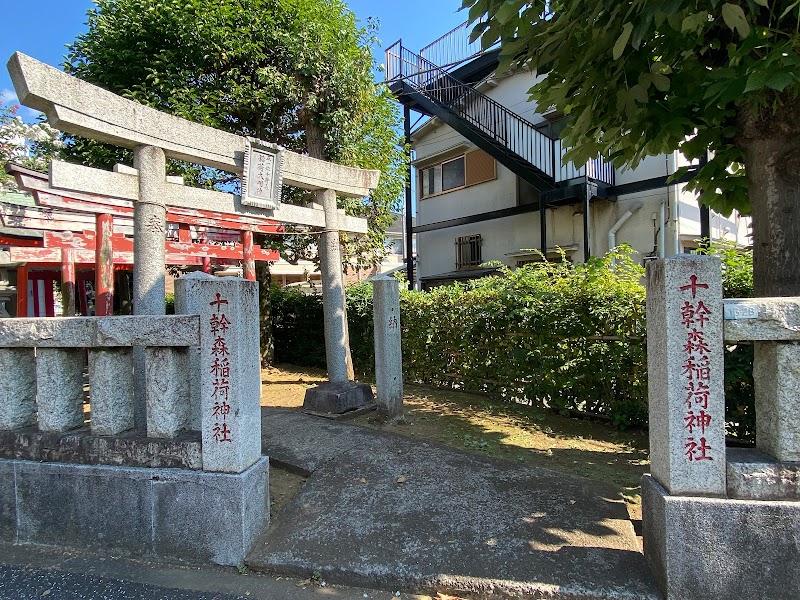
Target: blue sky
{"points": [[42, 28]]}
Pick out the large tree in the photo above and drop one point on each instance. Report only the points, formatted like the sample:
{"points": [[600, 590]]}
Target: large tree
{"points": [[644, 77], [295, 72], [273, 69]]}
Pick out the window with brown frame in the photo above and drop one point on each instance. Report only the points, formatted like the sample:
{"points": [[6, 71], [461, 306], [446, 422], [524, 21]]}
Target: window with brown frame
{"points": [[462, 171]]}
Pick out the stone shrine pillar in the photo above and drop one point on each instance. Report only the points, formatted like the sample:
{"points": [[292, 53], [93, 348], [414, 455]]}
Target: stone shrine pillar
{"points": [[718, 523], [339, 394], [388, 349], [686, 375], [227, 391], [149, 227]]}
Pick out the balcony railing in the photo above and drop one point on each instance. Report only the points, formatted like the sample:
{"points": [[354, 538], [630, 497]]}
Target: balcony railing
{"points": [[453, 47], [489, 117]]}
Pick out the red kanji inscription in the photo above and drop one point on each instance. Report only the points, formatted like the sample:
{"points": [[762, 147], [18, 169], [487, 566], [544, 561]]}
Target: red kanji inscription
{"points": [[700, 421], [222, 433], [218, 302], [697, 451], [694, 286]]}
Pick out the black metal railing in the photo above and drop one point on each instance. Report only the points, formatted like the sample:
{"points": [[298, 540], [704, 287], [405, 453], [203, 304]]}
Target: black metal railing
{"points": [[453, 47], [489, 117], [484, 114]]}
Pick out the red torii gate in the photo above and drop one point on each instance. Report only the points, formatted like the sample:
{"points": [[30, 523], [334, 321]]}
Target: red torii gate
{"points": [[67, 242]]}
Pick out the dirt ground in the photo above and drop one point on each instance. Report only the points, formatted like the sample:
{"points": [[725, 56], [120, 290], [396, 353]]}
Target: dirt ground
{"points": [[479, 424]]}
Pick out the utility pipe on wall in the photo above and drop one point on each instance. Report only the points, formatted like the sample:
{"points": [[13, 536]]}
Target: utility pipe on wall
{"points": [[672, 194], [612, 233], [662, 224]]}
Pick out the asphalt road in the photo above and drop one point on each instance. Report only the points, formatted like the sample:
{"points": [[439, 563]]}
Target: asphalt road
{"points": [[37, 573]]}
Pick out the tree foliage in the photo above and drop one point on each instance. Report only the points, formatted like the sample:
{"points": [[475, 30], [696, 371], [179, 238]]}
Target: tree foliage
{"points": [[642, 77], [30, 145], [264, 68]]}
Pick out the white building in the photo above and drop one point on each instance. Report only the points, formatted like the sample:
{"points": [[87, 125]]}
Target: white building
{"points": [[305, 273], [487, 166]]}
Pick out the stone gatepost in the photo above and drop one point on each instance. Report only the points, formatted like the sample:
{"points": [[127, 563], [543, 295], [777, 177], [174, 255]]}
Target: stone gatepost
{"points": [[686, 375], [719, 523], [226, 391], [388, 350]]}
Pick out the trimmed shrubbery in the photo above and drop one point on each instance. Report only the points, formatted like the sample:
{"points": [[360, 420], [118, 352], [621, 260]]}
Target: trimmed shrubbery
{"points": [[566, 337], [740, 408], [569, 337]]}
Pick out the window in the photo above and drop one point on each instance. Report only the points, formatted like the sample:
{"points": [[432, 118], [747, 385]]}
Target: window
{"points": [[466, 170], [453, 174], [468, 251]]}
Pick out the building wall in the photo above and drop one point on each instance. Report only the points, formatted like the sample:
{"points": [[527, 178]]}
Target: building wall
{"points": [[503, 239]]}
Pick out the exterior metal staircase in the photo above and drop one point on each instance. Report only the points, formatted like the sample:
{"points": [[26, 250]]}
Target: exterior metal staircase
{"points": [[509, 138]]}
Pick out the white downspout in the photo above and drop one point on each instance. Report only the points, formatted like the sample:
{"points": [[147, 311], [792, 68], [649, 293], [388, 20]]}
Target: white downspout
{"points": [[662, 225], [672, 195], [612, 233]]}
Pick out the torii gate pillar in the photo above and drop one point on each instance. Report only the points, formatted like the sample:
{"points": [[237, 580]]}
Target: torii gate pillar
{"points": [[149, 225], [340, 393]]}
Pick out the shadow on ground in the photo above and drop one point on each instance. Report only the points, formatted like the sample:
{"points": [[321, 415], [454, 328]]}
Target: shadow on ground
{"points": [[380, 509]]}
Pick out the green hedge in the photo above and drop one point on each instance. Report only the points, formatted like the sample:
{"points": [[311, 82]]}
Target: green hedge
{"points": [[740, 406], [568, 337], [556, 335], [297, 328], [552, 334]]}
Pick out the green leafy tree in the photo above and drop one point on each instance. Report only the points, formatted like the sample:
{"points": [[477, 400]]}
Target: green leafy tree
{"points": [[295, 72], [642, 77]]}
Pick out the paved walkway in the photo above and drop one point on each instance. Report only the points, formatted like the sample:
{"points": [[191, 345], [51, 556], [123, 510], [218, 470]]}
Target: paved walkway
{"points": [[386, 511]]}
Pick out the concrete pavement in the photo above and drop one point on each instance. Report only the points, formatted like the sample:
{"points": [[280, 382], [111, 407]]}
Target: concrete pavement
{"points": [[383, 513], [391, 512], [37, 573]]}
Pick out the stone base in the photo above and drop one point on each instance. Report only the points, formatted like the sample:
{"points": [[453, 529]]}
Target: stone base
{"points": [[338, 397], [129, 449], [752, 475], [353, 414], [714, 548], [173, 513]]}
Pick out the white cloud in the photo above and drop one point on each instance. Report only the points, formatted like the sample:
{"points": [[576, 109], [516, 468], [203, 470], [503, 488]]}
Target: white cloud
{"points": [[8, 96]]}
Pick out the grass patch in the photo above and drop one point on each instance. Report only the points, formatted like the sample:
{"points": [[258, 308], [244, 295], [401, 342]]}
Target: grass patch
{"points": [[492, 427]]}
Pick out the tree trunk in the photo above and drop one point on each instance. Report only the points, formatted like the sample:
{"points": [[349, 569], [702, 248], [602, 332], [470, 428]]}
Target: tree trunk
{"points": [[771, 140], [315, 145]]}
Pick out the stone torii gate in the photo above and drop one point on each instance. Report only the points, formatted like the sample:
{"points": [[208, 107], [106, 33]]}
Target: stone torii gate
{"points": [[80, 108]]}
